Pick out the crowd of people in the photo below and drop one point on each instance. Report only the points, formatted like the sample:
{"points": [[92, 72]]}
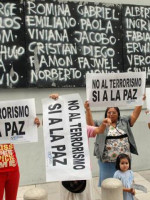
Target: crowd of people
{"points": [[113, 147]]}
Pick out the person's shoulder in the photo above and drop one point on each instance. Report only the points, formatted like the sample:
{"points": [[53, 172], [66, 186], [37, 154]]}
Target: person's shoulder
{"points": [[131, 172], [98, 122], [116, 173], [125, 118]]}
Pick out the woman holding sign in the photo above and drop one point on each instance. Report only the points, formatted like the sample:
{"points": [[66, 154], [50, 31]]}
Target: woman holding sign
{"points": [[9, 170], [117, 138]]}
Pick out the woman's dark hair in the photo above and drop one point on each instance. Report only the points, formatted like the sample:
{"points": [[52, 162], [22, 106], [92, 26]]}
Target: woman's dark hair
{"points": [[116, 108], [120, 157]]}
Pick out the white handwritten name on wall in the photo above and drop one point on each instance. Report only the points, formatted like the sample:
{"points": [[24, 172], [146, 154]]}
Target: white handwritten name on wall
{"points": [[65, 40], [54, 44], [136, 38], [12, 45]]}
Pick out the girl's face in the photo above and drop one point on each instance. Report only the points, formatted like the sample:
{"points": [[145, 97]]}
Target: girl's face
{"points": [[112, 114], [124, 164]]}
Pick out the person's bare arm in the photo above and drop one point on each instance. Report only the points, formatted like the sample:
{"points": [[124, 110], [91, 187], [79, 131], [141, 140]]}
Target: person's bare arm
{"points": [[89, 118], [130, 190], [136, 113], [100, 130]]}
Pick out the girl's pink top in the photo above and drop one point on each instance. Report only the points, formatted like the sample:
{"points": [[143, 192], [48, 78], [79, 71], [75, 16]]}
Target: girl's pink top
{"points": [[90, 131]]}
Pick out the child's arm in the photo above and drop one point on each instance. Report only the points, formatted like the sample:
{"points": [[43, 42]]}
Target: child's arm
{"points": [[130, 190]]}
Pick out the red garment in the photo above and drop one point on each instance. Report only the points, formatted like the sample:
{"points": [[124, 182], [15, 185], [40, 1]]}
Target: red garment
{"points": [[9, 172], [9, 181], [8, 160]]}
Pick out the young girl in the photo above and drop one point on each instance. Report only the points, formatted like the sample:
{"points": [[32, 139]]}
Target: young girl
{"points": [[125, 175]]}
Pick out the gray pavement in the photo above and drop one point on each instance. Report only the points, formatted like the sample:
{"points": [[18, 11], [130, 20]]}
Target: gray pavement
{"points": [[141, 177], [145, 174]]}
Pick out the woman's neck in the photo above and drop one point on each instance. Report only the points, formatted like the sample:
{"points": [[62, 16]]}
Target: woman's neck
{"points": [[114, 124]]}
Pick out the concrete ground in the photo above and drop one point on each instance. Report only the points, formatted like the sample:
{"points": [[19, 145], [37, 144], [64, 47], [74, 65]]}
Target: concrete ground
{"points": [[141, 177]]}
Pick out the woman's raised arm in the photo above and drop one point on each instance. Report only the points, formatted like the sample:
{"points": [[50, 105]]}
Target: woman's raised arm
{"points": [[136, 113], [89, 118]]}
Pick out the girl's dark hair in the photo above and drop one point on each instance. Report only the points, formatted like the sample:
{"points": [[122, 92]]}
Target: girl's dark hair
{"points": [[120, 157], [116, 108]]}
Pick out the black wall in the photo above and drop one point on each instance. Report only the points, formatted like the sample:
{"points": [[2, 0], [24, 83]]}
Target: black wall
{"points": [[52, 44]]}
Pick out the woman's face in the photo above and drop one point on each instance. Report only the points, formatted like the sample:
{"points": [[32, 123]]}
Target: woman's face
{"points": [[112, 114]]}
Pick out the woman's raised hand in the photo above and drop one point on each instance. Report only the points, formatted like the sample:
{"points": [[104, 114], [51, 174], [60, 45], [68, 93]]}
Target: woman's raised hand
{"points": [[37, 121], [107, 121], [147, 112], [144, 97], [54, 96], [86, 105]]}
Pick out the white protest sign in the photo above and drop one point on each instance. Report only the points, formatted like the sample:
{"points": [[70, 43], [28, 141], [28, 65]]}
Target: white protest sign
{"points": [[148, 99], [148, 104], [65, 138], [17, 121], [115, 89]]}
